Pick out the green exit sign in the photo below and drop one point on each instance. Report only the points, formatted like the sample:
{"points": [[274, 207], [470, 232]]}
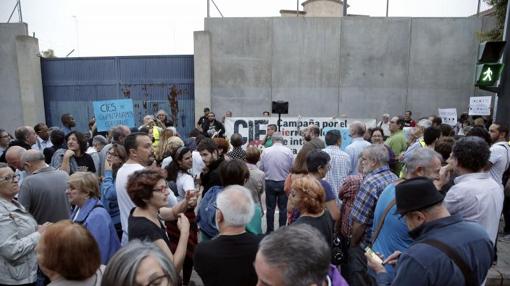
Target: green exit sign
{"points": [[489, 74]]}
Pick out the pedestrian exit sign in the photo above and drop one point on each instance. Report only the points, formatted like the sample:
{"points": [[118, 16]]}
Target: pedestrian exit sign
{"points": [[489, 74]]}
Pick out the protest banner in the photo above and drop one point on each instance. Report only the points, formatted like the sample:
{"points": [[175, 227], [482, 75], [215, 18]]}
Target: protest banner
{"points": [[253, 129], [110, 113], [448, 115], [480, 105]]}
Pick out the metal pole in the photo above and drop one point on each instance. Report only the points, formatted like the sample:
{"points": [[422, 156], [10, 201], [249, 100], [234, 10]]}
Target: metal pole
{"points": [[12, 13], [214, 3], [503, 100], [297, 12], [345, 8], [478, 8], [19, 11], [279, 121], [208, 8], [387, 7]]}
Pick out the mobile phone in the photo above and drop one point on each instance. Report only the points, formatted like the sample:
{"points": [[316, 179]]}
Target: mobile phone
{"points": [[372, 254]]}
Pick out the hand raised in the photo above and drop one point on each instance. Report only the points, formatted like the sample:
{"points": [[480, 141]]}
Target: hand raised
{"points": [[183, 223]]}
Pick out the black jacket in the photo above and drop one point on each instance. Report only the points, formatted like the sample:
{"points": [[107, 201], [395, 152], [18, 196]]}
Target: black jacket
{"points": [[218, 126], [212, 177], [14, 143]]}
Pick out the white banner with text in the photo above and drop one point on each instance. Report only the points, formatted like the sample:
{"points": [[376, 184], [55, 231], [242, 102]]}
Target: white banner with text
{"points": [[253, 129]]}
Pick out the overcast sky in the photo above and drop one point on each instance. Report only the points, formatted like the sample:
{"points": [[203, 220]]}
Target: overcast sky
{"points": [[162, 27]]}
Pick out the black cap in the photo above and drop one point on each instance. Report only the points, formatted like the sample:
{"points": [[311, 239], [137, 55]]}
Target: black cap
{"points": [[416, 194]]}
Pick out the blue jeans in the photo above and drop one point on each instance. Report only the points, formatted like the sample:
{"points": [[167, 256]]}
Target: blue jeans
{"points": [[275, 195]]}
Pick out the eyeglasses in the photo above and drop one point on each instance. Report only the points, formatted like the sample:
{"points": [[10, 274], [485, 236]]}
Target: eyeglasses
{"points": [[11, 178], [161, 189], [113, 154], [5, 136]]}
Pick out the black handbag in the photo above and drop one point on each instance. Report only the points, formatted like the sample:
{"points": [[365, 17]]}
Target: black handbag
{"points": [[339, 247]]}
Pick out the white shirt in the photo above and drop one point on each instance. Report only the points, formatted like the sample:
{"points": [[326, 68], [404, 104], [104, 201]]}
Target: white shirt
{"points": [[276, 162], [340, 167], [22, 175], [41, 144], [500, 159], [385, 128], [357, 146], [477, 197], [198, 164], [125, 202], [184, 183], [172, 199], [166, 162]]}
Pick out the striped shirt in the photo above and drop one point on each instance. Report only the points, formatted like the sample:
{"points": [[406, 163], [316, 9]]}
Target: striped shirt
{"points": [[340, 167]]}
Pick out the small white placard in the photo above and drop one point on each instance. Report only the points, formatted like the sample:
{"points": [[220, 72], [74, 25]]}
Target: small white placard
{"points": [[480, 105], [448, 115]]}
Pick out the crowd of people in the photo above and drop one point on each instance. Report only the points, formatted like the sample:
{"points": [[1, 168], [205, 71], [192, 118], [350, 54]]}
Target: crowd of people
{"points": [[407, 202]]}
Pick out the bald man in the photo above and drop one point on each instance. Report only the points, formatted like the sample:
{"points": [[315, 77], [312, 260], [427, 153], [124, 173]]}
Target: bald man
{"points": [[13, 158], [43, 192]]}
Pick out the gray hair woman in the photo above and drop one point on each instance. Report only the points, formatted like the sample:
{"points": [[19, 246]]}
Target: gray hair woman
{"points": [[140, 263], [19, 234]]}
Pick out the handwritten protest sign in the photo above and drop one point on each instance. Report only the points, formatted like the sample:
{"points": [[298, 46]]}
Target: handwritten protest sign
{"points": [[480, 105], [253, 129], [448, 115], [110, 113]]}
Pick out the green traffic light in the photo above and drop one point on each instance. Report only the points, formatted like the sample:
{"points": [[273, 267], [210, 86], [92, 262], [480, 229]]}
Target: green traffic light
{"points": [[490, 74]]}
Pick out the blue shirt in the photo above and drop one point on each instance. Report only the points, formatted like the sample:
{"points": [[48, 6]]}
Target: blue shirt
{"points": [[66, 130], [423, 264], [330, 195], [394, 232], [109, 197], [354, 150]]}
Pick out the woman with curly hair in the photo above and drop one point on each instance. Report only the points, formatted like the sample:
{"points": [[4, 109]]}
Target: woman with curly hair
{"points": [[309, 198], [74, 158], [148, 190]]}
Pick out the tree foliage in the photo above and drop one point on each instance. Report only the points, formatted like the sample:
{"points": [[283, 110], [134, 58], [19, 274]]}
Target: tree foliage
{"points": [[49, 53], [500, 12]]}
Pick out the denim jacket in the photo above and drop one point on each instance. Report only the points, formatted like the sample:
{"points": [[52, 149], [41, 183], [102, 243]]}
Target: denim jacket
{"points": [[96, 219], [206, 217], [109, 197], [18, 239]]}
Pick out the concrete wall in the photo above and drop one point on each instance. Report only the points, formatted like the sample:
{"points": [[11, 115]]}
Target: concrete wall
{"points": [[20, 78], [352, 66]]}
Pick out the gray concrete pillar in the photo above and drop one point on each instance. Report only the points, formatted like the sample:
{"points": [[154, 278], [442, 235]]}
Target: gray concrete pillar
{"points": [[21, 95], [202, 69], [30, 80]]}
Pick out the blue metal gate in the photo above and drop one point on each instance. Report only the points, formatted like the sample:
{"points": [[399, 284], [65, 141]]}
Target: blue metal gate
{"points": [[70, 85]]}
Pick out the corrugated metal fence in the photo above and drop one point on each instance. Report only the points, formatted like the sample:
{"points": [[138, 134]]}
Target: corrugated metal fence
{"points": [[70, 85]]}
